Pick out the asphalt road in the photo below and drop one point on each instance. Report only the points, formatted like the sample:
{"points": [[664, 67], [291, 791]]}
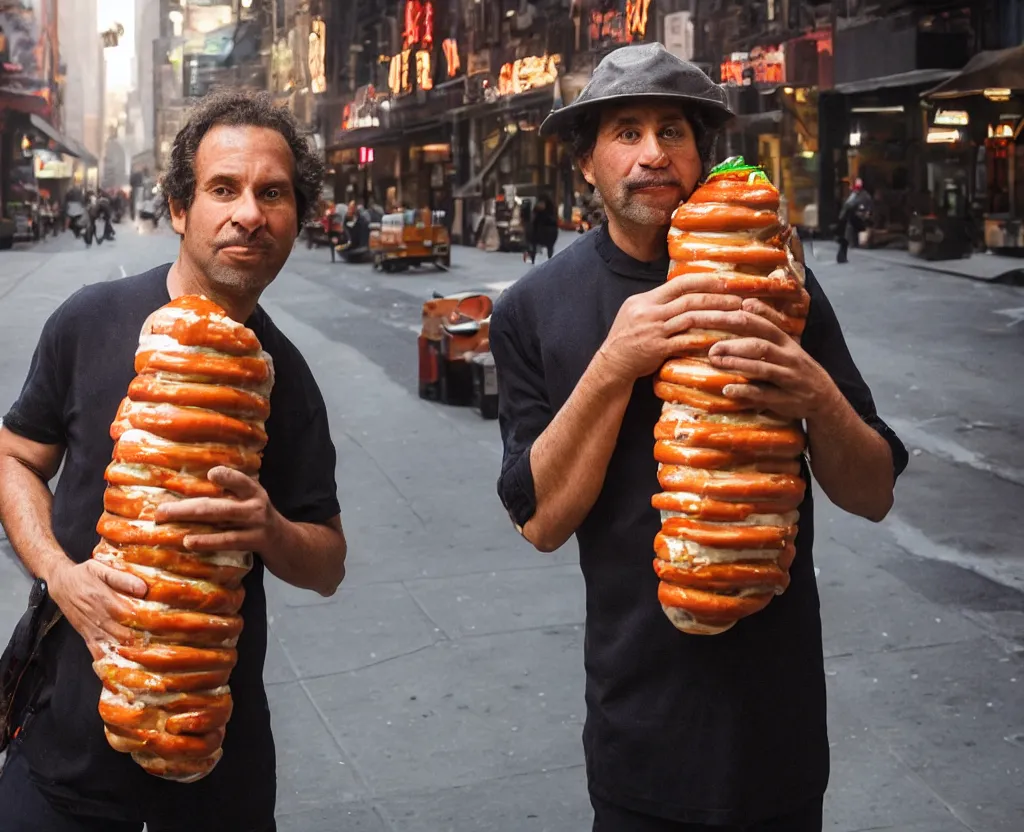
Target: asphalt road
{"points": [[442, 687]]}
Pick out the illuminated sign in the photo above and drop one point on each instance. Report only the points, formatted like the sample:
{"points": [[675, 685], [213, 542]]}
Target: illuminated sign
{"points": [[636, 19], [451, 54], [362, 110], [398, 73], [365, 155], [528, 74], [419, 24], [424, 81], [762, 65], [938, 136], [952, 118], [317, 44]]}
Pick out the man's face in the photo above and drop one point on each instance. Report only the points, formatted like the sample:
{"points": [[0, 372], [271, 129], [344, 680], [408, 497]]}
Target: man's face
{"points": [[243, 220], [645, 162]]}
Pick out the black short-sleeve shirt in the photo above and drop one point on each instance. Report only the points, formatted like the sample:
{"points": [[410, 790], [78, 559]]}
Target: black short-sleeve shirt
{"points": [[79, 373], [725, 729]]}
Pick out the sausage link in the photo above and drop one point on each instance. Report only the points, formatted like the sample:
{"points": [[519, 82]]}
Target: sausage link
{"points": [[232, 401]]}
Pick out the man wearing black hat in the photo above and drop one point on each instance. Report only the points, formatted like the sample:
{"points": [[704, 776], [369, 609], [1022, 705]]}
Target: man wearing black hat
{"points": [[683, 732]]}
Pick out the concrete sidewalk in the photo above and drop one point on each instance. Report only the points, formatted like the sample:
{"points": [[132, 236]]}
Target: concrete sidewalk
{"points": [[981, 266]]}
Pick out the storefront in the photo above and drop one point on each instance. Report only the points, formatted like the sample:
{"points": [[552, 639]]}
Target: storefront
{"points": [[978, 117], [774, 89]]}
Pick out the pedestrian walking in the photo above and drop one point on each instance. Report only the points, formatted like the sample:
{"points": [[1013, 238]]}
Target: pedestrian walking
{"points": [[240, 179], [682, 732], [854, 217], [543, 228]]}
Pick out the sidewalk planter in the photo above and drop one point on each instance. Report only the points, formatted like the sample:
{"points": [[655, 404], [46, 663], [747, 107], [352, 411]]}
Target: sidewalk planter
{"points": [[939, 238]]}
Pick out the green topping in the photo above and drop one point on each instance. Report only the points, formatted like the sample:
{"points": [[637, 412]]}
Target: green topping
{"points": [[734, 165]]}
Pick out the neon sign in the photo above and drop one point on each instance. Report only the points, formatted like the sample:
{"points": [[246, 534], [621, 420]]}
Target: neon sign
{"points": [[528, 74], [419, 24]]}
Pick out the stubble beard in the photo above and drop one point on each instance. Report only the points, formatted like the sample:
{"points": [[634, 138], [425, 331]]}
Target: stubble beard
{"points": [[633, 210]]}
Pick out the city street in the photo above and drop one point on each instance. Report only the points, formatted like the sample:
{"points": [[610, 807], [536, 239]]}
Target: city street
{"points": [[441, 689]]}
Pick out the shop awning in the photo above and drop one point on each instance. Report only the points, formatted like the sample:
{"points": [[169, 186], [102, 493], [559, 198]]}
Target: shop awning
{"points": [[76, 149], [995, 69], [43, 127], [915, 78]]}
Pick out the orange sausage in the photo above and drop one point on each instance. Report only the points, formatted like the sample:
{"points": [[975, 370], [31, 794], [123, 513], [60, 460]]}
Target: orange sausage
{"points": [[183, 593], [178, 658], [167, 745], [710, 216], [228, 400], [120, 530], [186, 701], [767, 257], [193, 459], [208, 327], [197, 628], [117, 678], [190, 425], [776, 284], [708, 508], [708, 402], [724, 535], [724, 576], [200, 721], [772, 441], [189, 564], [679, 453], [197, 366], [134, 504], [178, 769], [742, 486], [762, 196], [187, 485], [698, 373], [709, 607]]}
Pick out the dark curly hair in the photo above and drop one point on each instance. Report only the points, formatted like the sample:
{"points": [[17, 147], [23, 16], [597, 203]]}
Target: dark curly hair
{"points": [[242, 109], [581, 135]]}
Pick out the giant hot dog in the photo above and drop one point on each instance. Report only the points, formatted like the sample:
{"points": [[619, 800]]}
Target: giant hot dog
{"points": [[730, 476], [200, 400]]}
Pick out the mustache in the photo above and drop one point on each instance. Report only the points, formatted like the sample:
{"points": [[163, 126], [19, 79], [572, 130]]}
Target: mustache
{"points": [[640, 182], [256, 241]]}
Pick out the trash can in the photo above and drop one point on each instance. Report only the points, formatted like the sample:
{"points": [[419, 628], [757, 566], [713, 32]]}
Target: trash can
{"points": [[485, 385]]}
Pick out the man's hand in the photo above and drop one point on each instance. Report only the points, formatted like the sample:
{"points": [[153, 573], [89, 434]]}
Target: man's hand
{"points": [[89, 596], [648, 327], [783, 377], [250, 522]]}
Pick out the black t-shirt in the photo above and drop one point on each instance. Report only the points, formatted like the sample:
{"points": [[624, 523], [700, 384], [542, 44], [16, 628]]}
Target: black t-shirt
{"points": [[725, 729], [79, 374]]}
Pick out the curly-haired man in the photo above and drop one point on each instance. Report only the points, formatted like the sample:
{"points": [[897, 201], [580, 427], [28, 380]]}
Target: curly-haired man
{"points": [[241, 178]]}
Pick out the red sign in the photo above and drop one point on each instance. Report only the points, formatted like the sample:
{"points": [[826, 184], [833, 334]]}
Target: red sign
{"points": [[365, 155], [419, 24]]}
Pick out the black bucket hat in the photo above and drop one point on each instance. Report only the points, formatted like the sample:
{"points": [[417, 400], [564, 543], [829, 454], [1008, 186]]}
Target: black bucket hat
{"points": [[647, 70]]}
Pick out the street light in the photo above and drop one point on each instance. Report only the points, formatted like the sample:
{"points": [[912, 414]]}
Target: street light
{"points": [[246, 4]]}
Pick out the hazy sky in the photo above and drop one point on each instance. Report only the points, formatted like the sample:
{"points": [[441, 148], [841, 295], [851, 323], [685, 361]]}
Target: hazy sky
{"points": [[119, 59]]}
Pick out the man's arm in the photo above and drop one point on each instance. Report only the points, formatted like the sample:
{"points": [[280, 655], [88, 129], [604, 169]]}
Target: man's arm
{"points": [[306, 555], [852, 462], [87, 593], [26, 502], [569, 459]]}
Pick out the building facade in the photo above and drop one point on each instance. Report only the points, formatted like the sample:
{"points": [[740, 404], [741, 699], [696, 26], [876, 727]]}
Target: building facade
{"points": [[437, 103], [84, 72]]}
